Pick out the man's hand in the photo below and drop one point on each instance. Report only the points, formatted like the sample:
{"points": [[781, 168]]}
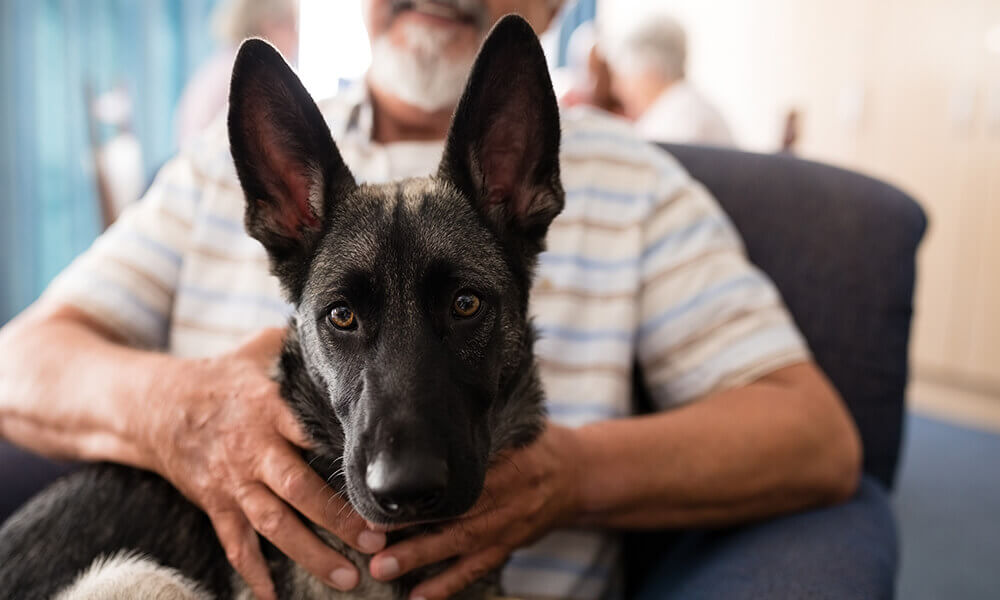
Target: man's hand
{"points": [[527, 493], [223, 436]]}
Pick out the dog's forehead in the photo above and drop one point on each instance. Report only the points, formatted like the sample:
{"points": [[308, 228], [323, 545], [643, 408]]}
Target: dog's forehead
{"points": [[402, 227]]}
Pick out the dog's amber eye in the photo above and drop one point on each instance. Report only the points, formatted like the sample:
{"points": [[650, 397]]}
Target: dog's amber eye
{"points": [[466, 304], [342, 316]]}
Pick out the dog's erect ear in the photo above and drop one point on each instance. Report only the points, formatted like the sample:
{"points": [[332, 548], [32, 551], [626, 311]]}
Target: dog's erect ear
{"points": [[503, 148], [286, 160]]}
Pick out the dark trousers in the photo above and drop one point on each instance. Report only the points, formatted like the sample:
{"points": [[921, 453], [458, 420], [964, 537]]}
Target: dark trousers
{"points": [[842, 552]]}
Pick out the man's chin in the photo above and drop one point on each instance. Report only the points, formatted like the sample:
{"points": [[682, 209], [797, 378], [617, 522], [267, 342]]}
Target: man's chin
{"points": [[425, 67]]}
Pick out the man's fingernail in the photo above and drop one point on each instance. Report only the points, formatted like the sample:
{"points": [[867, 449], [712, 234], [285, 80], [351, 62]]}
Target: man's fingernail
{"points": [[387, 568], [371, 541], [344, 578]]}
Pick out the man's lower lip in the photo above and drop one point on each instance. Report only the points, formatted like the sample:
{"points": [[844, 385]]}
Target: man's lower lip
{"points": [[449, 17]]}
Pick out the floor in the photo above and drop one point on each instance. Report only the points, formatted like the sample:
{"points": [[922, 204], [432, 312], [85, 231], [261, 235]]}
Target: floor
{"points": [[948, 496]]}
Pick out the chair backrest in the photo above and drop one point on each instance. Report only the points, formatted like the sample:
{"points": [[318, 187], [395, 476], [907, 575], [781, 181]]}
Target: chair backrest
{"points": [[841, 248]]}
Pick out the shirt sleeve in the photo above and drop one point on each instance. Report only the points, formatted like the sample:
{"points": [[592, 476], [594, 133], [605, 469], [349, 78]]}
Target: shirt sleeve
{"points": [[126, 281], [709, 319]]}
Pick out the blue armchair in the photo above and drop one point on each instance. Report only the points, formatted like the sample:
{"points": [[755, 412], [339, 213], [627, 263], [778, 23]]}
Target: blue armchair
{"points": [[841, 248]]}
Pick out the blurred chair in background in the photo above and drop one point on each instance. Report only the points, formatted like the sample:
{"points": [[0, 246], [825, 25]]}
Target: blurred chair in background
{"points": [[790, 133], [233, 21], [648, 76], [117, 160]]}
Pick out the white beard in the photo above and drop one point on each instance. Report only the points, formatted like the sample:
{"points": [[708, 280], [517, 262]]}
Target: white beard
{"points": [[417, 73]]}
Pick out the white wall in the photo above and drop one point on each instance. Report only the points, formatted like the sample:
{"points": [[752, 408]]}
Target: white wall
{"points": [[928, 88]]}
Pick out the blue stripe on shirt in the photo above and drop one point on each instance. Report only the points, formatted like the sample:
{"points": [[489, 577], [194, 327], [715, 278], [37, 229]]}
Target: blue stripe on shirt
{"points": [[609, 195], [584, 335], [558, 408], [225, 223], [192, 193], [702, 297], [158, 320], [754, 349], [131, 299], [603, 194], [159, 248], [607, 137], [225, 297], [551, 259], [551, 563]]}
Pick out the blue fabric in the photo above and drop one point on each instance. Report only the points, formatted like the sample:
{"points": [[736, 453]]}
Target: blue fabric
{"points": [[50, 50], [946, 501], [23, 474], [843, 552], [579, 13], [841, 248]]}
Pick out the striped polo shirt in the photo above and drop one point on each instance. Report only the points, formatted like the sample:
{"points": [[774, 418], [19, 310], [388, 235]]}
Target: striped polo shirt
{"points": [[641, 265]]}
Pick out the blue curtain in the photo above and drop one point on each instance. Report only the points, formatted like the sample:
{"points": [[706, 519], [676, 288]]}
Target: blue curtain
{"points": [[49, 51], [577, 14]]}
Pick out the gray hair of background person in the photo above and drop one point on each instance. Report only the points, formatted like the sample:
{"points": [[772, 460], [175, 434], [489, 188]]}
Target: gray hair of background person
{"points": [[658, 44], [235, 20]]}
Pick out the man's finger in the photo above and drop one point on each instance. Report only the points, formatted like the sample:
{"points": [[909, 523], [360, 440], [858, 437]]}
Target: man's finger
{"points": [[284, 471], [275, 521], [242, 547], [413, 553], [461, 575]]}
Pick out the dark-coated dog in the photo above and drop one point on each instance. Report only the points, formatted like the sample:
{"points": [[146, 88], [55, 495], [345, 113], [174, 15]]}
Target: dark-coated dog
{"points": [[409, 353]]}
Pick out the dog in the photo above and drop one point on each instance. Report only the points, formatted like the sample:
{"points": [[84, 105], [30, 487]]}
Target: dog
{"points": [[408, 357]]}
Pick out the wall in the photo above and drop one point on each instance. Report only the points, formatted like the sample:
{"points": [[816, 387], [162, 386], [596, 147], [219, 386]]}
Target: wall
{"points": [[905, 90]]}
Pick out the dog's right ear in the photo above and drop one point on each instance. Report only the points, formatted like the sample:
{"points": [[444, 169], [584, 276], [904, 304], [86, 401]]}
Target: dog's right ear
{"points": [[287, 163]]}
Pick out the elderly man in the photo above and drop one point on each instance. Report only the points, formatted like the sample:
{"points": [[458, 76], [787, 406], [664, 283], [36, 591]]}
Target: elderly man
{"points": [[138, 353], [648, 77]]}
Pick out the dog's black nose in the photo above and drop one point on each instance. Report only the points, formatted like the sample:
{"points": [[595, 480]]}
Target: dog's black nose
{"points": [[407, 485]]}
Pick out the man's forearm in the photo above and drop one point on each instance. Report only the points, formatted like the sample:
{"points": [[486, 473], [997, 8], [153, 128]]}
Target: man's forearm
{"points": [[783, 443], [69, 390]]}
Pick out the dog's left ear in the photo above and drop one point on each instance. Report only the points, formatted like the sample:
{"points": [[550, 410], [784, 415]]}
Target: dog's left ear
{"points": [[288, 165], [503, 147]]}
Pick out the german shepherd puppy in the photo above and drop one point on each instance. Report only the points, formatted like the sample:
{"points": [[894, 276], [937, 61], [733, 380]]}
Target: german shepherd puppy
{"points": [[409, 356]]}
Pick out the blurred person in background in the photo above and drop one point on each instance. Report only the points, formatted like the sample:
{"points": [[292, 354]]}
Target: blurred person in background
{"points": [[648, 77], [155, 347], [233, 21], [590, 78]]}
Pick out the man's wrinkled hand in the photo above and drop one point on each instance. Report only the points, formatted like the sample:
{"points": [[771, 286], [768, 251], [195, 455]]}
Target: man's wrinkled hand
{"points": [[528, 492], [221, 433]]}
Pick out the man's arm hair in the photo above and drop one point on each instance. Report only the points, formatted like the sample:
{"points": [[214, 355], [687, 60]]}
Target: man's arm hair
{"points": [[69, 388], [781, 443]]}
